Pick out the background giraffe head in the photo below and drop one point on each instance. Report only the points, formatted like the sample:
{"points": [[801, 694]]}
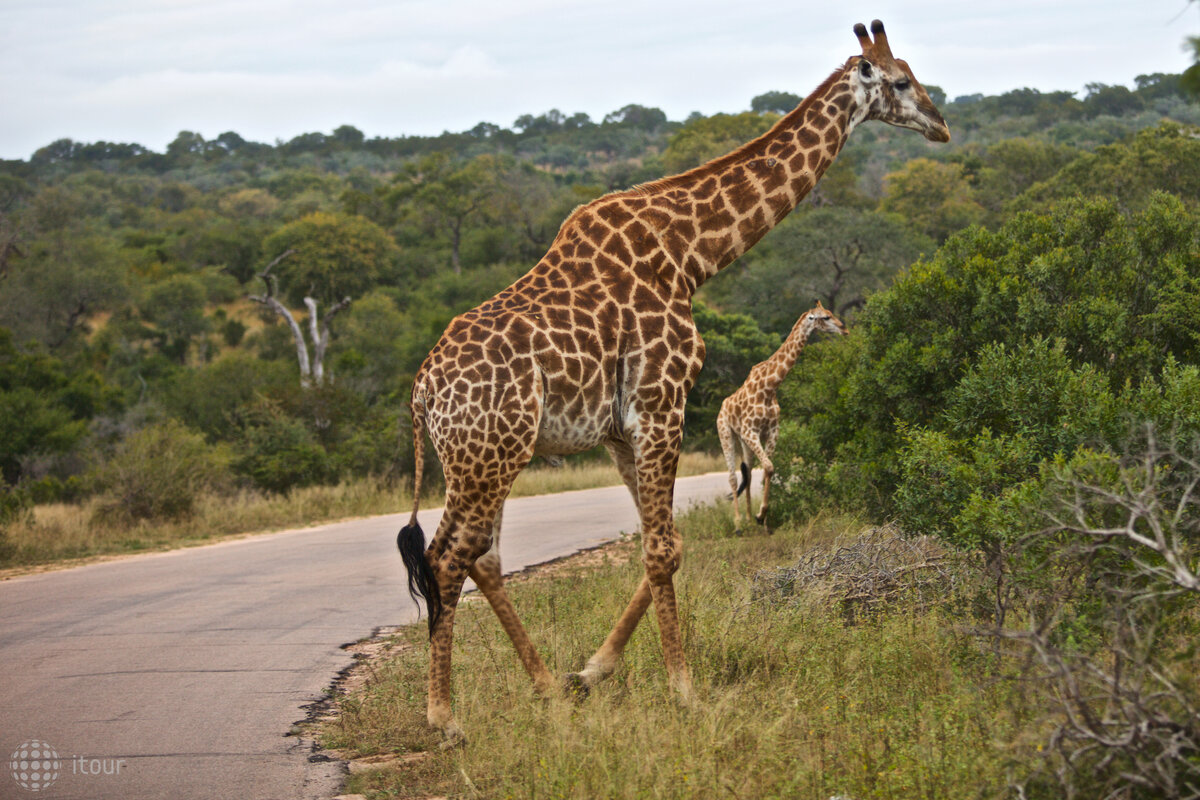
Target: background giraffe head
{"points": [[887, 90], [821, 320]]}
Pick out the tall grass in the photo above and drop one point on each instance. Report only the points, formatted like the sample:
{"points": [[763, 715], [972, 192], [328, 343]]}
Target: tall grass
{"points": [[62, 532], [794, 700]]}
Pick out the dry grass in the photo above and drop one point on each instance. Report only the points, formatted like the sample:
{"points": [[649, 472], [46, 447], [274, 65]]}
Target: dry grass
{"points": [[794, 700], [544, 479], [66, 533]]}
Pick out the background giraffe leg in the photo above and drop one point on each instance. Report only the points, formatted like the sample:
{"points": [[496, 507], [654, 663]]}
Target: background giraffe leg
{"points": [[748, 456], [605, 660], [488, 577], [769, 439], [768, 469], [732, 450]]}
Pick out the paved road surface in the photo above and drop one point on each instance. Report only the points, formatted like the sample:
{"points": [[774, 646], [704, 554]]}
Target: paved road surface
{"points": [[176, 675]]}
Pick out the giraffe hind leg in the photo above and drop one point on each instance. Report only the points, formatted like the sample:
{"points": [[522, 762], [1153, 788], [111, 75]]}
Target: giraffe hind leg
{"points": [[731, 448], [464, 536]]}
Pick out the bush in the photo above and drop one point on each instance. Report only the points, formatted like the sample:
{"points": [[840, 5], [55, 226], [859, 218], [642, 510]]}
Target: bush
{"points": [[158, 472], [1005, 351], [279, 453]]}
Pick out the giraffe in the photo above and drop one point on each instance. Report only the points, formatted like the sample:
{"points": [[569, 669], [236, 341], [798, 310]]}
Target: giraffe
{"points": [[596, 345], [748, 423]]}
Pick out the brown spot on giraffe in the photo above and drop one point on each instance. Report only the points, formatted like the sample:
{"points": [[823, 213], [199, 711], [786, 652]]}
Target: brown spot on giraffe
{"points": [[596, 345], [748, 423]]}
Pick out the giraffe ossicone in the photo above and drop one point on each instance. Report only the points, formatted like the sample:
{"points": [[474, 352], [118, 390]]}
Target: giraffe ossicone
{"points": [[596, 345]]}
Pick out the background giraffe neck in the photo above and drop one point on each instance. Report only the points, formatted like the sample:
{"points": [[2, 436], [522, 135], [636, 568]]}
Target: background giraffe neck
{"points": [[785, 357], [730, 203]]}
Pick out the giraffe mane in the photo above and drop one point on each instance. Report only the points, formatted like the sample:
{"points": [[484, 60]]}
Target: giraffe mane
{"points": [[734, 156], [716, 164]]}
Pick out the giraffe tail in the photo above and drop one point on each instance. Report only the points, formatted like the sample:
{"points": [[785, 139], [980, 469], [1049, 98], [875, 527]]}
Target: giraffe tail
{"points": [[422, 582], [745, 478]]}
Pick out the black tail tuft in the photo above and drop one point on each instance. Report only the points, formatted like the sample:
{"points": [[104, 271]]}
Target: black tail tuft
{"points": [[421, 580], [745, 478]]}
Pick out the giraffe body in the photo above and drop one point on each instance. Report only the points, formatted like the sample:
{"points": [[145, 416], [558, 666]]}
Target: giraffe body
{"points": [[748, 422], [596, 345]]}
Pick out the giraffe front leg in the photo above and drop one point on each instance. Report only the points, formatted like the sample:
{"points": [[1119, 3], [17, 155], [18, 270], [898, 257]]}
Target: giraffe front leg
{"points": [[488, 577], [605, 660], [662, 552], [662, 544]]}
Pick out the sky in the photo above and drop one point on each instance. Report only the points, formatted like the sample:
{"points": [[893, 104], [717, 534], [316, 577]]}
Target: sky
{"points": [[141, 71]]}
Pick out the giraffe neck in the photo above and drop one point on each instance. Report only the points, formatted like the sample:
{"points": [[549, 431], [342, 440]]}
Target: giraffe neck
{"points": [[730, 203], [783, 359]]}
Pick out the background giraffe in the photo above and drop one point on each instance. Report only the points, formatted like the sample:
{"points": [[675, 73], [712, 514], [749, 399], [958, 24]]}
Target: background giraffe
{"points": [[748, 423], [596, 345]]}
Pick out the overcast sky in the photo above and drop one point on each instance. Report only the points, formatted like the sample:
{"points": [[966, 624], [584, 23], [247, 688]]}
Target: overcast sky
{"points": [[143, 70]]}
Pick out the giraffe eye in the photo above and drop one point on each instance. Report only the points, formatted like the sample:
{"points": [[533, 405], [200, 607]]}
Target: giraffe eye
{"points": [[865, 68], [903, 84]]}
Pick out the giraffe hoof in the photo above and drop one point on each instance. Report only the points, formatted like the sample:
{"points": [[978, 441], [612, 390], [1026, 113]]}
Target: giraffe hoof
{"points": [[737, 531], [453, 737], [575, 688]]}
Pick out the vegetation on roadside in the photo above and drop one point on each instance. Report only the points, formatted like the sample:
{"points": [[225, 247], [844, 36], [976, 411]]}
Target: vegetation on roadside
{"points": [[800, 693], [57, 532]]}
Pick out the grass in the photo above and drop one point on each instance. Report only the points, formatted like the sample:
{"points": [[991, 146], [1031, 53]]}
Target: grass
{"points": [[794, 698], [58, 533]]}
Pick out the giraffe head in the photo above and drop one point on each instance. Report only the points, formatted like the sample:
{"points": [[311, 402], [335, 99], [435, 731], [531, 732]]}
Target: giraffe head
{"points": [[886, 88], [819, 319]]}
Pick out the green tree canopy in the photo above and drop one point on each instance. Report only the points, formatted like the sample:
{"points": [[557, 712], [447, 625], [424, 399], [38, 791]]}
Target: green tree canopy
{"points": [[334, 256], [933, 196], [709, 137]]}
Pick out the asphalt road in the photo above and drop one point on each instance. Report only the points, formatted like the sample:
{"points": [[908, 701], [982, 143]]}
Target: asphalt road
{"points": [[177, 675]]}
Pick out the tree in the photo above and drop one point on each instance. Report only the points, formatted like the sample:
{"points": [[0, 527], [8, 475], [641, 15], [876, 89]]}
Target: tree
{"points": [[44, 406], [709, 137], [176, 308], [1011, 166], [1161, 159], [312, 371], [447, 195], [1113, 100], [636, 116], [333, 256], [774, 102], [933, 196], [833, 254]]}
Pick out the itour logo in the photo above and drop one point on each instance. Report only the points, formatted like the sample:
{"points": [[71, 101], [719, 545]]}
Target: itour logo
{"points": [[36, 765]]}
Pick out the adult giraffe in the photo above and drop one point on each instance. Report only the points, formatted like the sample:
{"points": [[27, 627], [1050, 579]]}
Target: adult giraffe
{"points": [[596, 345], [748, 423]]}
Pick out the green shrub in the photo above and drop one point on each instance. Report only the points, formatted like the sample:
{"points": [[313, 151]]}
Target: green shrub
{"points": [[1005, 351], [158, 472], [279, 453]]}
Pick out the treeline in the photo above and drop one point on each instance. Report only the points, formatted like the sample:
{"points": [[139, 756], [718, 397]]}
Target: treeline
{"points": [[139, 317]]}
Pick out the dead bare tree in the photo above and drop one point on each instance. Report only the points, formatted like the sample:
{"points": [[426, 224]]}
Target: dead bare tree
{"points": [[1128, 712], [312, 372]]}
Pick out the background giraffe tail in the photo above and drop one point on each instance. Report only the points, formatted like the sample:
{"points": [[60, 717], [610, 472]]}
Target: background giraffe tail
{"points": [[745, 478], [411, 540]]}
